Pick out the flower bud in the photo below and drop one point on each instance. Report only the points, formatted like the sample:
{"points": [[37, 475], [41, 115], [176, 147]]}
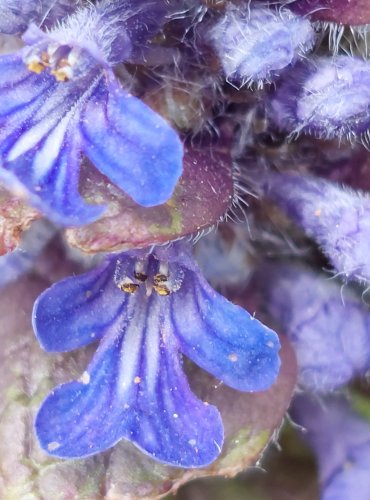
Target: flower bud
{"points": [[328, 326], [255, 43], [337, 218], [324, 97]]}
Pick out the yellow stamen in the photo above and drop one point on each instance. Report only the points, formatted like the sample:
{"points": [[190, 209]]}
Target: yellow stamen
{"points": [[162, 290], [36, 67], [60, 75], [129, 287], [159, 278], [140, 276]]}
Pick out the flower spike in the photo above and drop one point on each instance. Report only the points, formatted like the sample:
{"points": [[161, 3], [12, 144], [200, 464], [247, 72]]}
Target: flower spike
{"points": [[134, 387]]}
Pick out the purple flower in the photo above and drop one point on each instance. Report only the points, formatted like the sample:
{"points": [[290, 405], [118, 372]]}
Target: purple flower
{"points": [[17, 15], [145, 308], [324, 96], [341, 442], [327, 325], [59, 96], [254, 43], [337, 218]]}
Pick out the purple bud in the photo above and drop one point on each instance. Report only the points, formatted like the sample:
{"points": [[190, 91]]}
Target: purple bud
{"points": [[325, 97], [328, 326], [341, 442], [337, 218], [353, 12], [254, 44], [17, 15]]}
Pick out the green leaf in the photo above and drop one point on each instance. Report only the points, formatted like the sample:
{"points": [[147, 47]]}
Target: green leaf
{"points": [[201, 198]]}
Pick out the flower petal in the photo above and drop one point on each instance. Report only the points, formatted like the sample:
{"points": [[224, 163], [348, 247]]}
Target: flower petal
{"points": [[132, 145], [54, 190], [135, 389], [38, 144], [223, 338], [78, 310], [18, 86]]}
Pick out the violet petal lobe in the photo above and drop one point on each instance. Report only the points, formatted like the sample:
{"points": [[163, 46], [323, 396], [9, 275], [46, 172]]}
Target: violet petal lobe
{"points": [[135, 389], [77, 310], [40, 152], [132, 145], [223, 338]]}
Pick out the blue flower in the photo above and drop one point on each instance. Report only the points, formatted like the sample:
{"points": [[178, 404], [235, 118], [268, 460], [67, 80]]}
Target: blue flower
{"points": [[59, 97], [145, 309]]}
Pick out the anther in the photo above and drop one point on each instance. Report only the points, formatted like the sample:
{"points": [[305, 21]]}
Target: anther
{"points": [[162, 274], [162, 290], [141, 276], [139, 272], [36, 67], [60, 75], [160, 278], [127, 286]]}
